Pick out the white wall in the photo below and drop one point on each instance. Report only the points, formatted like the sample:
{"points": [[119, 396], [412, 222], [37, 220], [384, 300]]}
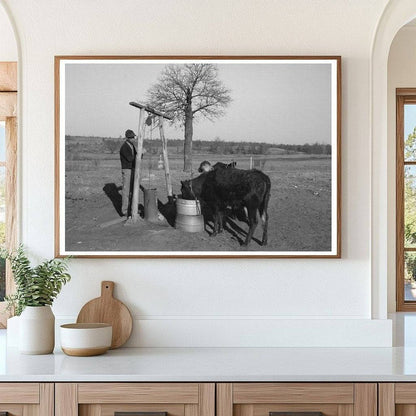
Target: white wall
{"points": [[401, 74], [8, 47], [179, 302]]}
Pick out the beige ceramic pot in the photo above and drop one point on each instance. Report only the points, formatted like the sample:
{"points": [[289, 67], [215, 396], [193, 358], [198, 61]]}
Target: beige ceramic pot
{"points": [[37, 330]]}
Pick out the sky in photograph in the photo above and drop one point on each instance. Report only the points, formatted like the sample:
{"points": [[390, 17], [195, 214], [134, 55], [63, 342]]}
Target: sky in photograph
{"points": [[276, 103]]}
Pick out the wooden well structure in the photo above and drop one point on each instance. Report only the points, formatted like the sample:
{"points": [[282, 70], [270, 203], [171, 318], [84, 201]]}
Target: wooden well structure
{"points": [[139, 147]]}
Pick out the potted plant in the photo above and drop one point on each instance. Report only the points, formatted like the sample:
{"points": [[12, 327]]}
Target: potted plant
{"points": [[36, 289]]}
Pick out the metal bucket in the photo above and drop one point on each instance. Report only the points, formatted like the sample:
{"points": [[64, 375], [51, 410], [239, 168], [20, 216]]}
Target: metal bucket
{"points": [[190, 223], [188, 207]]}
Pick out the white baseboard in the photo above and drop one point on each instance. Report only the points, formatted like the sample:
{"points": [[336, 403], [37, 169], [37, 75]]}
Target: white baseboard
{"points": [[251, 332]]}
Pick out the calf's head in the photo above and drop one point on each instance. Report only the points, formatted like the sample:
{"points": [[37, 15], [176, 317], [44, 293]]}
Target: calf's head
{"points": [[193, 188], [205, 166], [186, 190]]}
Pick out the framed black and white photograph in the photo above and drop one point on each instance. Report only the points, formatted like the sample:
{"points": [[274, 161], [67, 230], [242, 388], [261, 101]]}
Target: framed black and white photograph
{"points": [[198, 156]]}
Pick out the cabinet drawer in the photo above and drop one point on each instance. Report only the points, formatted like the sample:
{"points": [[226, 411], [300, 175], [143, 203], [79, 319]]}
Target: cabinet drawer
{"points": [[143, 409], [138, 393], [19, 393], [107, 399], [397, 399], [21, 399], [297, 399]]}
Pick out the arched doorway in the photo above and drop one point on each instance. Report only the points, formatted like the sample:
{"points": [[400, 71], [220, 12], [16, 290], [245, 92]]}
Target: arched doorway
{"points": [[8, 149], [396, 14]]}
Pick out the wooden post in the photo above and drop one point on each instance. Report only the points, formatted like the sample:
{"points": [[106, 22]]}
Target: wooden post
{"points": [[161, 116], [136, 184], [165, 157]]}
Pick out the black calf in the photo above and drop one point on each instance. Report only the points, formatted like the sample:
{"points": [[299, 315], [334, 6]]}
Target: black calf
{"points": [[237, 188]]}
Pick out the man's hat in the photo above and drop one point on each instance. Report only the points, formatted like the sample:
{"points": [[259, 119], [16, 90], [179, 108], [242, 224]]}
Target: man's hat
{"points": [[130, 134]]}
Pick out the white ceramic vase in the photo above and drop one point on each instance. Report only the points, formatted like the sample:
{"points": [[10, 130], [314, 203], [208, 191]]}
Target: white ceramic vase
{"points": [[13, 331], [37, 330]]}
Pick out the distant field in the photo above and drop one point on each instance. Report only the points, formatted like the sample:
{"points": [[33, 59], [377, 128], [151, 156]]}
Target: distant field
{"points": [[299, 209], [107, 167]]}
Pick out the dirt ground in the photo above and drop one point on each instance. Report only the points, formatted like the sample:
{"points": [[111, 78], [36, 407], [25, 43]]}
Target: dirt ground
{"points": [[299, 209]]}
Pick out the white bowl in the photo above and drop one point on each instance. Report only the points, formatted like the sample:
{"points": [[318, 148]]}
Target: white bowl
{"points": [[83, 340]]}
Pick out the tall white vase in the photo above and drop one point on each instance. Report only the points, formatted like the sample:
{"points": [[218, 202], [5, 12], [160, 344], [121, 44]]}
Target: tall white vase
{"points": [[37, 330]]}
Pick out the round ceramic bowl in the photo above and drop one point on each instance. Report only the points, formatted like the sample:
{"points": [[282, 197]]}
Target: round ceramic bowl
{"points": [[84, 340]]}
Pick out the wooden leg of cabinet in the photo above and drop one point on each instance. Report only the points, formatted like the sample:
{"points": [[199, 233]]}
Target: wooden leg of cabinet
{"points": [[386, 399], [365, 399], [207, 399], [66, 400], [224, 399], [47, 399]]}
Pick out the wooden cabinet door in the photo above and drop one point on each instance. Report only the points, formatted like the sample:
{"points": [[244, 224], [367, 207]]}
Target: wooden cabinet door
{"points": [[397, 399], [27, 399], [152, 399], [297, 399]]}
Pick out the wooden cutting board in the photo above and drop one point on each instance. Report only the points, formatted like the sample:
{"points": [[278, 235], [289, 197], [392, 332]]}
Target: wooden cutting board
{"points": [[107, 309]]}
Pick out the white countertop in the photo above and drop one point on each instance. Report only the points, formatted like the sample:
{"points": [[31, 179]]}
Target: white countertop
{"points": [[213, 364]]}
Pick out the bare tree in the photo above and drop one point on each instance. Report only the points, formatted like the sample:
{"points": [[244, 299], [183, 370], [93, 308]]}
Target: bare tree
{"points": [[186, 91]]}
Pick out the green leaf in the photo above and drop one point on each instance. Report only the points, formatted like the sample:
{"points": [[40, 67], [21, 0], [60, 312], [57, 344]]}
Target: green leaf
{"points": [[35, 286]]}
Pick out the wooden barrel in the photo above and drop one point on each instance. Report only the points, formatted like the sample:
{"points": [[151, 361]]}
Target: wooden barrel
{"points": [[188, 207], [190, 223], [150, 205]]}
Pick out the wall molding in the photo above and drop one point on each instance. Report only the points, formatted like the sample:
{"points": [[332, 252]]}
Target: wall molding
{"points": [[255, 332]]}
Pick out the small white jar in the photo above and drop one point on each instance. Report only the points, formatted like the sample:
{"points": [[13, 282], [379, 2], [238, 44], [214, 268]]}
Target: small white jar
{"points": [[37, 330], [86, 339]]}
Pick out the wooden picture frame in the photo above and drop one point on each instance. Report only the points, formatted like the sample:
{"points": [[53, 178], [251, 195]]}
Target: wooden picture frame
{"points": [[99, 98]]}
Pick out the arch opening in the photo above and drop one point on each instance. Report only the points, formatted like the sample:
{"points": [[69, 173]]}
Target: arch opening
{"points": [[9, 59], [396, 15]]}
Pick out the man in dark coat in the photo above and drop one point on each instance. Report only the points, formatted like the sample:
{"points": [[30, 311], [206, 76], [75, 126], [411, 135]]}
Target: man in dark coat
{"points": [[128, 161]]}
